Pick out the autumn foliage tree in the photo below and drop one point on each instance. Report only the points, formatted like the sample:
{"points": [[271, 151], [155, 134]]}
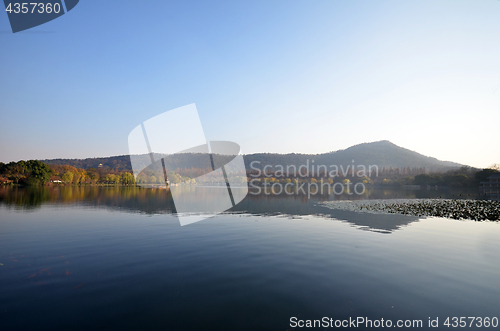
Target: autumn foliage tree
{"points": [[31, 172]]}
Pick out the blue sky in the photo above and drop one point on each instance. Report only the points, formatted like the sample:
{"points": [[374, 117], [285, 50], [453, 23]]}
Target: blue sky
{"points": [[281, 76]]}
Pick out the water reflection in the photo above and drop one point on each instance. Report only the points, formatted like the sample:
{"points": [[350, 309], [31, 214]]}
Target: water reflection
{"points": [[134, 199], [159, 201], [99, 268]]}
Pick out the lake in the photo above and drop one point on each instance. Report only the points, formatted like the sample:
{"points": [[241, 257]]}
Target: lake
{"points": [[116, 258]]}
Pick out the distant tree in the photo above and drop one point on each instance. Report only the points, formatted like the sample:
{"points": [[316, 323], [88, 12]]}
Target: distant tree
{"points": [[93, 175], [112, 179], [422, 179], [127, 178], [16, 171], [82, 176], [465, 170], [77, 177], [67, 177], [482, 175], [39, 171], [142, 178], [174, 177], [407, 180], [458, 180]]}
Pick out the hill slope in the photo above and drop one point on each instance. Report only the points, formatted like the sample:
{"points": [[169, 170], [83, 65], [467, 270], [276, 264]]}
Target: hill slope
{"points": [[380, 153]]}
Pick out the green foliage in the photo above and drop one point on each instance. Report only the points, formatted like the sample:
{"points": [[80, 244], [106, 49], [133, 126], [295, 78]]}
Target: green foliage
{"points": [[127, 178], [458, 180], [112, 179], [174, 178], [31, 172], [35, 173], [93, 175], [67, 177], [39, 171]]}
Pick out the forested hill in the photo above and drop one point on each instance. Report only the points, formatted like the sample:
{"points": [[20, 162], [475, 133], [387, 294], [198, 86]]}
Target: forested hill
{"points": [[380, 153], [121, 162]]}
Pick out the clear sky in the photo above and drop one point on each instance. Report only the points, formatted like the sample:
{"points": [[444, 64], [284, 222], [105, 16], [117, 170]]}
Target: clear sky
{"points": [[273, 76]]}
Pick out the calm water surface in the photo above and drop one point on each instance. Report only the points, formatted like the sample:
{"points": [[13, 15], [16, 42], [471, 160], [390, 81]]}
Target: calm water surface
{"points": [[117, 259]]}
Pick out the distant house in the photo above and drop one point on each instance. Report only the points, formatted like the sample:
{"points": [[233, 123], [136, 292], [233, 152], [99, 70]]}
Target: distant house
{"points": [[5, 180], [55, 179], [491, 188]]}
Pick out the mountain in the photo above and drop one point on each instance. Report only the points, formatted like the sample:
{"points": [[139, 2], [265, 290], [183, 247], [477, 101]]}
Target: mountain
{"points": [[380, 153]]}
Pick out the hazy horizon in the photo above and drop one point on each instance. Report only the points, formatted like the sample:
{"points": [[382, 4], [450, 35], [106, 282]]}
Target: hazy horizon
{"points": [[281, 77]]}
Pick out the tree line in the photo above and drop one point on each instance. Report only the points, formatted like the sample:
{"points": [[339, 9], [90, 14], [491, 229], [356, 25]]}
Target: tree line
{"points": [[34, 172]]}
